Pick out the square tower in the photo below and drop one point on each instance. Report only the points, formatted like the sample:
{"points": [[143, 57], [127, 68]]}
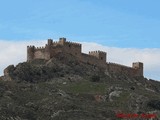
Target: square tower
{"points": [[138, 66], [50, 42], [62, 41], [99, 54]]}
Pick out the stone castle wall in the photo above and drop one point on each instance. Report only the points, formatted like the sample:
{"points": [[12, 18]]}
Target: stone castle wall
{"points": [[92, 60], [97, 58], [117, 68]]}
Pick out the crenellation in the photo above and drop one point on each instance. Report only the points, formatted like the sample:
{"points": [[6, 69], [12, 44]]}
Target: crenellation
{"points": [[39, 48], [55, 42], [101, 52], [97, 58], [73, 43], [97, 52], [30, 46]]}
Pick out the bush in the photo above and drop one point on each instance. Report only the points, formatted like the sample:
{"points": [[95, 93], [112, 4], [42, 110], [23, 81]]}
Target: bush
{"points": [[95, 78], [154, 104]]}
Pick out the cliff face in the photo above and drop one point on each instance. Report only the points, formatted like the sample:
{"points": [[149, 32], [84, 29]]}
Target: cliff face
{"points": [[64, 88]]}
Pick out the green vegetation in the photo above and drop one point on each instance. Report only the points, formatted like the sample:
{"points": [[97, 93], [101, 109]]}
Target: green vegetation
{"points": [[95, 78], [85, 87]]}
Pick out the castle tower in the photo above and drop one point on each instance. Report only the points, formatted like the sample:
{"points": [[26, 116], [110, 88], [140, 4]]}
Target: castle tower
{"points": [[50, 42], [62, 41], [47, 54], [30, 53], [99, 54], [138, 66]]}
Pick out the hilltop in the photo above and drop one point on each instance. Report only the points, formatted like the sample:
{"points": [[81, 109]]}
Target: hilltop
{"points": [[64, 88]]}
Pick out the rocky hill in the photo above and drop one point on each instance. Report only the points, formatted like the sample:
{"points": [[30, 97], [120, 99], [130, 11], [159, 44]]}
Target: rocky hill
{"points": [[64, 88]]}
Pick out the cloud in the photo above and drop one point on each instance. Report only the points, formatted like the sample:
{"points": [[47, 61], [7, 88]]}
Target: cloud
{"points": [[13, 52]]}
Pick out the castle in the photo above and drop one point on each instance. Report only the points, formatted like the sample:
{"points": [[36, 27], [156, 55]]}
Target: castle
{"points": [[97, 58]]}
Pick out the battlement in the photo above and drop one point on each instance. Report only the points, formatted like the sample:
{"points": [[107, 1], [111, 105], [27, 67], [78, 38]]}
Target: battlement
{"points": [[62, 41], [40, 48], [96, 52], [55, 42], [74, 43], [31, 46]]}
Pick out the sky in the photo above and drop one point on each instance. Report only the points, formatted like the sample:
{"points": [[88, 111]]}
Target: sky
{"points": [[128, 30]]}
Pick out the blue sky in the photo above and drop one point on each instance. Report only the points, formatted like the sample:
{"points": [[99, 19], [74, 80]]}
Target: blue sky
{"points": [[128, 30], [119, 23]]}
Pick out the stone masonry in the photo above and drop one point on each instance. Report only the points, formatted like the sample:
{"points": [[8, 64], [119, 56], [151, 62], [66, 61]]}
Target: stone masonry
{"points": [[97, 58]]}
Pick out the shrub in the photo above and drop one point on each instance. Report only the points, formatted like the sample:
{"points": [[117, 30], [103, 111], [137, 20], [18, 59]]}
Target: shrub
{"points": [[95, 78], [154, 104]]}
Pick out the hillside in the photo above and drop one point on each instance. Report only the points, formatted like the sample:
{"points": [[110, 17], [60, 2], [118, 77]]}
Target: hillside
{"points": [[64, 88]]}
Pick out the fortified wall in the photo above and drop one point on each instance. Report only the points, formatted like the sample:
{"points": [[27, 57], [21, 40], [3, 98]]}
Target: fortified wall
{"points": [[97, 58]]}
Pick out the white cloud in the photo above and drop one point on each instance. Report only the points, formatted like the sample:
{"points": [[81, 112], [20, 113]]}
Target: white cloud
{"points": [[14, 52]]}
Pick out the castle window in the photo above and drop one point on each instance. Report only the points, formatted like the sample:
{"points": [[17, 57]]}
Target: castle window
{"points": [[101, 58], [69, 46]]}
